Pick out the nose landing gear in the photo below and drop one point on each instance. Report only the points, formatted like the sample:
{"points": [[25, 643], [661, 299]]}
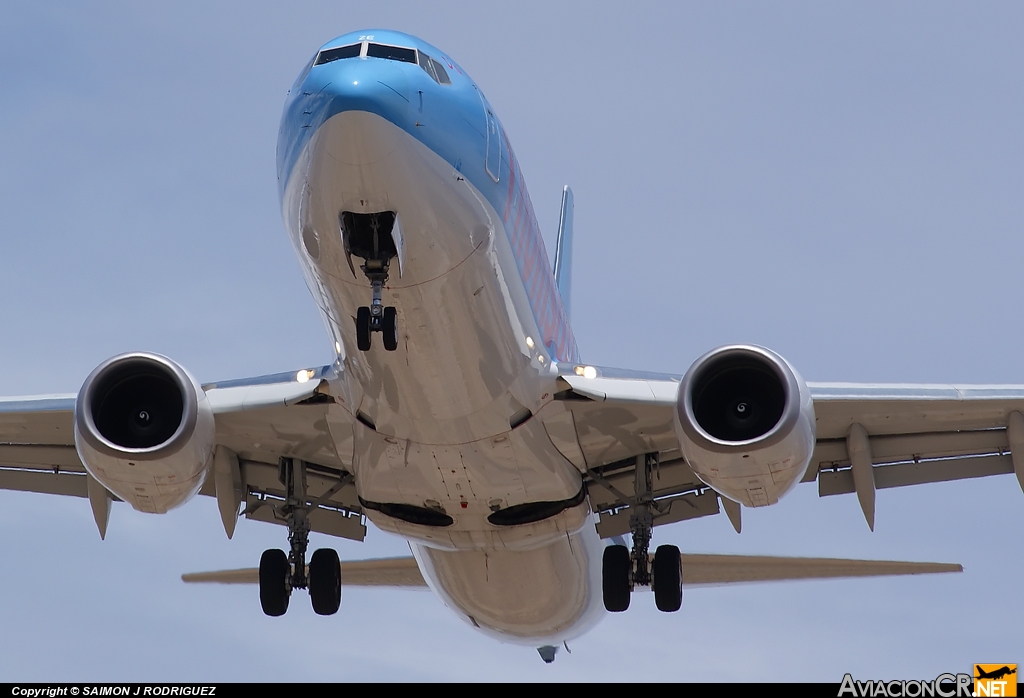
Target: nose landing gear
{"points": [[623, 570], [372, 237]]}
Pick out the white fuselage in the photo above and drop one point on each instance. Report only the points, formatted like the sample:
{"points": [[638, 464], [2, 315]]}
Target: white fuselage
{"points": [[428, 425]]}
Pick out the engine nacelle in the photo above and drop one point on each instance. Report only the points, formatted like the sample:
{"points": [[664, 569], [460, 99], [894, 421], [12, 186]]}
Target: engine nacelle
{"points": [[745, 423], [144, 429]]}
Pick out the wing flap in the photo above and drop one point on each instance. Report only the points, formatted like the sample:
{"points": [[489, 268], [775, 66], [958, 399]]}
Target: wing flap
{"points": [[691, 505], [37, 455], [917, 434], [905, 474], [44, 482], [673, 476], [330, 521], [337, 511], [907, 447]]}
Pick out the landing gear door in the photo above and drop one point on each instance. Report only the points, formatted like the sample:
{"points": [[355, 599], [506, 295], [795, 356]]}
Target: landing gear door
{"points": [[396, 235], [492, 161]]}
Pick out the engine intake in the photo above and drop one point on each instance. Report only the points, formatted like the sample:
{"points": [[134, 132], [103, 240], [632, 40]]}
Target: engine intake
{"points": [[738, 396], [745, 422], [138, 404], [144, 429]]}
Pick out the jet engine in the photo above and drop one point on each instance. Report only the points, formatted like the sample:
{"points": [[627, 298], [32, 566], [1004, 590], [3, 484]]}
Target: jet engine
{"points": [[144, 429], [745, 423]]}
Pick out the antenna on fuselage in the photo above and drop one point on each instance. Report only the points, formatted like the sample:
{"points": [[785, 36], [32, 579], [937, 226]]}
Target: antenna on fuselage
{"points": [[563, 252]]}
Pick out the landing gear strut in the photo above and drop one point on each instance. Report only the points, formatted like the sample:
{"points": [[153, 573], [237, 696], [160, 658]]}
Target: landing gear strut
{"points": [[280, 573], [623, 570]]}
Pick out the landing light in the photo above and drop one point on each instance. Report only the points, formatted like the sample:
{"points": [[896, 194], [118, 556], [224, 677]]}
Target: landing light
{"points": [[337, 347], [529, 342], [586, 371], [304, 375]]}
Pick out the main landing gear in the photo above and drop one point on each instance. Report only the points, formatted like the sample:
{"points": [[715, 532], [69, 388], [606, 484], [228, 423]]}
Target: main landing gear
{"points": [[624, 569], [280, 573]]}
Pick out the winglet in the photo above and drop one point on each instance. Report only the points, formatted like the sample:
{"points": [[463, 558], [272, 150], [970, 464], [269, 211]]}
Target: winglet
{"points": [[563, 252]]}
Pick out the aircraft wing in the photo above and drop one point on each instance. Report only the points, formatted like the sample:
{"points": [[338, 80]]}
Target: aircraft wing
{"points": [[916, 434], [258, 420]]}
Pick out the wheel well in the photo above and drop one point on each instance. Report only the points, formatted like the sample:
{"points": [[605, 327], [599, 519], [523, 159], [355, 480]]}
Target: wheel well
{"points": [[368, 235]]}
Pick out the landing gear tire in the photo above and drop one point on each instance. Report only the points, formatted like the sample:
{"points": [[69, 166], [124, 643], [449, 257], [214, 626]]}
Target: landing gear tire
{"points": [[325, 582], [668, 579], [363, 328], [274, 572], [389, 327], [615, 578]]}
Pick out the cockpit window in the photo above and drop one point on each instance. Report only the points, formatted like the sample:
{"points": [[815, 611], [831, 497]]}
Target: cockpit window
{"points": [[442, 74], [392, 53], [334, 54], [427, 68], [434, 69]]}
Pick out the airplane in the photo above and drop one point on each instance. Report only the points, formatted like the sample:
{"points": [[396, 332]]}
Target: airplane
{"points": [[995, 673], [456, 358]]}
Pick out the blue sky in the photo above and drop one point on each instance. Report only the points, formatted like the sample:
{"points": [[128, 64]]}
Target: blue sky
{"points": [[839, 182]]}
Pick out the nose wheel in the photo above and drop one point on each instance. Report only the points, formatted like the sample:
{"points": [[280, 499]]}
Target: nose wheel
{"points": [[377, 318]]}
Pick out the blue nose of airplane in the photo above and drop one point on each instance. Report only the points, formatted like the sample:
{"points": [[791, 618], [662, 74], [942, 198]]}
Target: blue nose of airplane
{"points": [[372, 85], [375, 86]]}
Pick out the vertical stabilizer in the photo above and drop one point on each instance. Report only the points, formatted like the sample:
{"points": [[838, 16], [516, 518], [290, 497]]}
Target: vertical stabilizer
{"points": [[563, 252]]}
